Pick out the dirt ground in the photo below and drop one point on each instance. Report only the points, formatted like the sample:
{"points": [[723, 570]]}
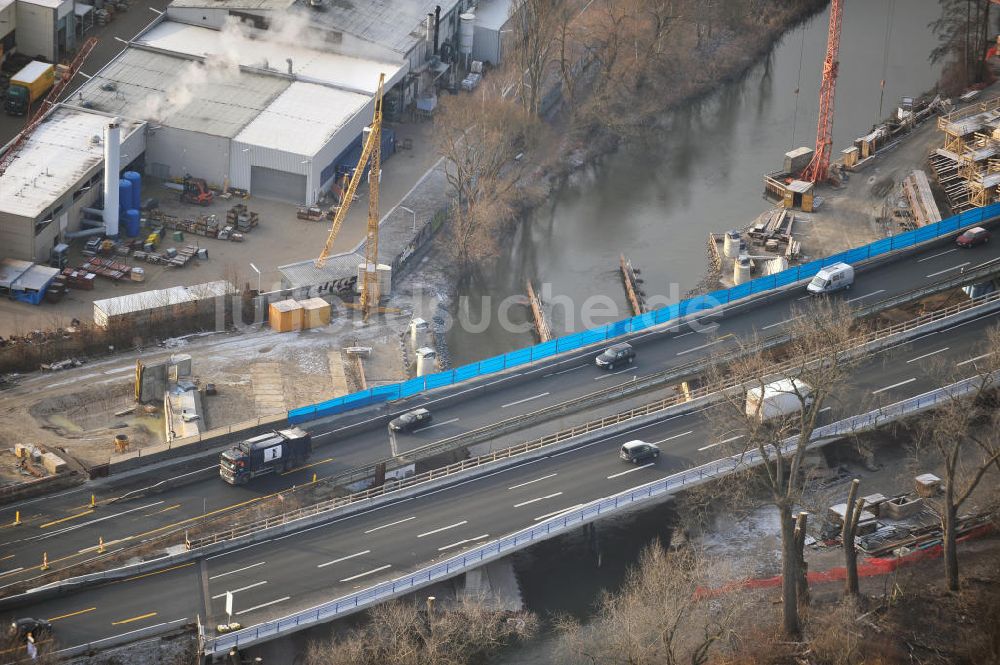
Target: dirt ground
{"points": [[279, 239], [73, 411]]}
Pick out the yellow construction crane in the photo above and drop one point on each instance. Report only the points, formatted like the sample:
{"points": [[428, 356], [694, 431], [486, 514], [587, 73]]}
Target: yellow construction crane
{"points": [[370, 152]]}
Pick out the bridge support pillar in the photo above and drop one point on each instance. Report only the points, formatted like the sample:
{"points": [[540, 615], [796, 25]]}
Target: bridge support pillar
{"points": [[593, 542]]}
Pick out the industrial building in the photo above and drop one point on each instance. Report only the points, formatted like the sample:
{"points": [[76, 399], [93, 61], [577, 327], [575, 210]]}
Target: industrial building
{"points": [[45, 29], [54, 176], [225, 90]]}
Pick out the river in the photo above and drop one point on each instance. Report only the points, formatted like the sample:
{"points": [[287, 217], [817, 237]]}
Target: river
{"points": [[700, 171]]}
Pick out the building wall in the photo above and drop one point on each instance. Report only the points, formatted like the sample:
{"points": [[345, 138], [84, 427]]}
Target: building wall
{"points": [[171, 152], [16, 237], [36, 31], [203, 16], [8, 22]]}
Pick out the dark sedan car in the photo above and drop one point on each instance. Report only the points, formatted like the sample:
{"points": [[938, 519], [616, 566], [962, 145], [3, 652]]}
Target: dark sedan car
{"points": [[39, 629], [410, 420], [974, 236]]}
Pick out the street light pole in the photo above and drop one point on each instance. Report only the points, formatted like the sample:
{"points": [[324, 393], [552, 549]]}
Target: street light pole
{"points": [[414, 216], [258, 277]]}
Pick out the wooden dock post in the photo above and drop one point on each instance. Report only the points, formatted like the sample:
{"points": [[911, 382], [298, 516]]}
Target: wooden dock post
{"points": [[541, 325]]}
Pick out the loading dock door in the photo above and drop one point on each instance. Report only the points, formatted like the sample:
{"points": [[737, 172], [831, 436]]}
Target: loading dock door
{"points": [[280, 185]]}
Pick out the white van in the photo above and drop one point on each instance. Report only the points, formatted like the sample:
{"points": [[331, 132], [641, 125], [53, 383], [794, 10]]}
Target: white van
{"points": [[779, 399], [832, 278]]}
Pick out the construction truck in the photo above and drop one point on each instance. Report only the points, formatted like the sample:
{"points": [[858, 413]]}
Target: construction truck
{"points": [[277, 451], [196, 191], [28, 86]]}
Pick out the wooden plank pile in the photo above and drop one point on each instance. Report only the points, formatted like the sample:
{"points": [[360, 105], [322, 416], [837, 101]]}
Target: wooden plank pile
{"points": [[241, 219], [774, 228], [79, 278], [108, 268]]}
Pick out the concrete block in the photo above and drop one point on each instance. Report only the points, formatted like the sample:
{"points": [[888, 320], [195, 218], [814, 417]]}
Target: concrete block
{"points": [[53, 463], [927, 484]]}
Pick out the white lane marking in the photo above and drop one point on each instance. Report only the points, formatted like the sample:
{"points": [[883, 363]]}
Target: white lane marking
{"points": [[385, 526], [934, 256], [634, 429], [675, 436], [370, 572], [257, 607], [522, 401], [557, 512], [638, 468], [444, 528], [825, 409], [563, 371], [706, 329], [246, 547], [703, 346], [238, 570], [972, 360], [621, 371], [443, 422], [719, 443], [514, 487], [941, 272], [242, 588], [927, 355], [808, 295], [343, 558], [690, 332], [99, 519], [867, 295], [781, 323], [8, 572], [895, 385], [462, 542], [541, 498]]}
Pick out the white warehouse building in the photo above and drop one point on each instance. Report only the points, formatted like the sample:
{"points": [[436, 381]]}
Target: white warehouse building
{"points": [[217, 109]]}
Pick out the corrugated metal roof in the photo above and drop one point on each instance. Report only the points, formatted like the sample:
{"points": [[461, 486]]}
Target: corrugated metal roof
{"points": [[305, 273], [261, 5], [311, 65], [396, 24], [175, 295], [303, 118], [216, 98], [58, 153]]}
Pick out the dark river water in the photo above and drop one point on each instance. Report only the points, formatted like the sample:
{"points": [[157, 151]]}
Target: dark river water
{"points": [[700, 171]]}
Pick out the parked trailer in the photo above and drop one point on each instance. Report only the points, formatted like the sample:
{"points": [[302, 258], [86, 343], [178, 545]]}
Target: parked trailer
{"points": [[277, 451], [777, 400]]}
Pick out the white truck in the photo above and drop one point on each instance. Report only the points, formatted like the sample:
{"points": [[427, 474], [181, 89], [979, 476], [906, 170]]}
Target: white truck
{"points": [[779, 399]]}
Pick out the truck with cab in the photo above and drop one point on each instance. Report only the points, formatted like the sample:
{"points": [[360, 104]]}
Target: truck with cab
{"points": [[28, 86], [276, 451]]}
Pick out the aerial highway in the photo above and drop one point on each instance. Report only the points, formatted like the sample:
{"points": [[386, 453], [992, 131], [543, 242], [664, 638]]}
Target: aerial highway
{"points": [[301, 569], [67, 529]]}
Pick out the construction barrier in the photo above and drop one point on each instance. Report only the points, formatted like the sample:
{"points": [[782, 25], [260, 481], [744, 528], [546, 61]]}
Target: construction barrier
{"points": [[396, 391]]}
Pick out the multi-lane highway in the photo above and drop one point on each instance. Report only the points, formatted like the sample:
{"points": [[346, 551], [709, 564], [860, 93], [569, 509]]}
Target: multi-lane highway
{"points": [[279, 576], [67, 529]]}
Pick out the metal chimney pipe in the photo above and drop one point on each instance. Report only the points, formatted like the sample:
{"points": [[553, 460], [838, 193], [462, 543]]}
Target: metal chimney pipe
{"points": [[437, 27], [112, 167], [289, 61]]}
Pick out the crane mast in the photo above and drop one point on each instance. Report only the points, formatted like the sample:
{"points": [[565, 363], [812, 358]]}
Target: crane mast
{"points": [[370, 152], [820, 164]]}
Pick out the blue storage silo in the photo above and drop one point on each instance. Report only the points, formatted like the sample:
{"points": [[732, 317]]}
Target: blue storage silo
{"points": [[132, 223], [124, 196], [136, 200]]}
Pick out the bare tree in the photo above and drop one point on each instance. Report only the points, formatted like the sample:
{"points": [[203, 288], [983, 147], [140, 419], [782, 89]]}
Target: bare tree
{"points": [[963, 435], [963, 35], [852, 514], [661, 615], [533, 23], [818, 360], [402, 633], [480, 136]]}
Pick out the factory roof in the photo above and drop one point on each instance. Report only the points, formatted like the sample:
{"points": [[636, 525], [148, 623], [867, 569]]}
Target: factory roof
{"points": [[260, 5], [303, 118], [57, 155], [149, 300], [215, 97], [308, 64], [395, 24], [305, 273]]}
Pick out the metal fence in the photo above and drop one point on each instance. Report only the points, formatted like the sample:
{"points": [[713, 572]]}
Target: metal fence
{"points": [[570, 519], [684, 308]]}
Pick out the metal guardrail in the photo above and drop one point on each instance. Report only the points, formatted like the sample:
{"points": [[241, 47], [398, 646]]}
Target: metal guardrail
{"points": [[569, 519], [643, 321], [394, 485]]}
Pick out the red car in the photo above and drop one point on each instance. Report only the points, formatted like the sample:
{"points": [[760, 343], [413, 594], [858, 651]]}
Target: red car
{"points": [[974, 236]]}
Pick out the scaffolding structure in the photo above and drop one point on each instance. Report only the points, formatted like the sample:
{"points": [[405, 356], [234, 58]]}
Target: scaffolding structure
{"points": [[967, 166]]}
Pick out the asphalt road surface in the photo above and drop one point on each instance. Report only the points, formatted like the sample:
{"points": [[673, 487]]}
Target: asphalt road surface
{"points": [[66, 529], [296, 571]]}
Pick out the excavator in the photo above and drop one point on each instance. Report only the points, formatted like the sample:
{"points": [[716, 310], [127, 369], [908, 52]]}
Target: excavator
{"points": [[196, 191]]}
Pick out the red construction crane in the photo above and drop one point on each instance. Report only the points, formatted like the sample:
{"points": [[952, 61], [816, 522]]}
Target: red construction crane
{"points": [[50, 100], [820, 164]]}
